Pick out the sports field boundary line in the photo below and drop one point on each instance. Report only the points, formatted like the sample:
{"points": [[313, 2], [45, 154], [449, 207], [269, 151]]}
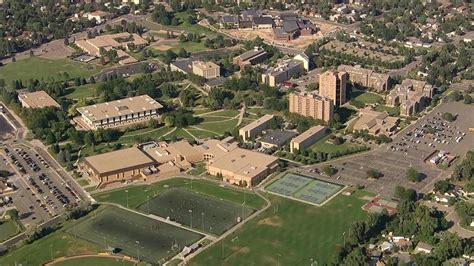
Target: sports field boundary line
{"points": [[160, 219], [95, 255]]}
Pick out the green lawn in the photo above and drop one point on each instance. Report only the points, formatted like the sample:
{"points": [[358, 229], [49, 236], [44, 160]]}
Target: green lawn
{"points": [[226, 113], [83, 182], [395, 111], [138, 194], [297, 231], [8, 229], [96, 261], [366, 97], [201, 134], [85, 91], [59, 242], [219, 127], [38, 68], [323, 146], [198, 169]]}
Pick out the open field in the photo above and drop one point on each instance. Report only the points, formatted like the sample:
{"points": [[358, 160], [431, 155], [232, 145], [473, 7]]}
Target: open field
{"points": [[8, 229], [323, 146], [395, 111], [134, 235], [137, 195], [293, 231], [304, 188], [95, 261], [59, 243], [41, 68], [85, 91], [365, 97], [196, 210]]}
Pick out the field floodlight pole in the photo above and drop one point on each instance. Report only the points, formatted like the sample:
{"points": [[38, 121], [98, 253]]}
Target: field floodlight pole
{"points": [[138, 250], [191, 212], [202, 214], [148, 204], [126, 193], [278, 259], [344, 237]]}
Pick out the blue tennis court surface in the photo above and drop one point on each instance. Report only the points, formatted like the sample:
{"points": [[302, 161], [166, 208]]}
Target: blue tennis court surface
{"points": [[304, 188]]}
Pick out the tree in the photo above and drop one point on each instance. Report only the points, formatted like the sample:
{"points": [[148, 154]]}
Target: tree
{"points": [[448, 117], [443, 186], [467, 99], [406, 194], [356, 257], [372, 173], [413, 175], [329, 171]]}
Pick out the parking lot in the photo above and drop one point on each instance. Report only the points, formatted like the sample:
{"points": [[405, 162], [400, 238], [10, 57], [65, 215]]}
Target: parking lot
{"points": [[393, 159], [23, 199], [42, 187]]}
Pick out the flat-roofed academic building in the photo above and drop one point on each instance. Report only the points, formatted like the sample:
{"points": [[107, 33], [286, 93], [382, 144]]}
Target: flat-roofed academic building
{"points": [[118, 113], [207, 70], [250, 131], [236, 165], [307, 138], [117, 165], [37, 99]]}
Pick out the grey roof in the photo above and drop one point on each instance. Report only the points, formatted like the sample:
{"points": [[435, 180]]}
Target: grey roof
{"points": [[285, 66], [280, 32], [252, 53], [278, 137], [230, 19], [290, 26], [185, 65], [289, 17], [215, 82], [263, 21], [250, 13]]}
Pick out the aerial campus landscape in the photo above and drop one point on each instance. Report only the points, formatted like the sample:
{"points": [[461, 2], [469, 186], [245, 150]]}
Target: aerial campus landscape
{"points": [[236, 132]]}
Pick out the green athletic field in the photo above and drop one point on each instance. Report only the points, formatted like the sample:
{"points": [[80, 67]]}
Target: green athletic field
{"points": [[196, 210], [137, 195], [134, 234], [289, 232]]}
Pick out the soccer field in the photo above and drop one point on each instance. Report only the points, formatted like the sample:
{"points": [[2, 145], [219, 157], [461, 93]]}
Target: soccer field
{"points": [[288, 233], [197, 210], [134, 235]]}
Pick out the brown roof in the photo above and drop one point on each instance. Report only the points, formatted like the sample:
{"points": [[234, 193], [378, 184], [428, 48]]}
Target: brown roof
{"points": [[118, 108], [38, 99], [308, 133], [116, 161], [244, 162]]}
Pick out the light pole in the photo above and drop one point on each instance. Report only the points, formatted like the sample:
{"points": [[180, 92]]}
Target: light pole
{"points": [[210, 230], [148, 204], [126, 193], [344, 236], [278, 259], [191, 213], [138, 251], [202, 215]]}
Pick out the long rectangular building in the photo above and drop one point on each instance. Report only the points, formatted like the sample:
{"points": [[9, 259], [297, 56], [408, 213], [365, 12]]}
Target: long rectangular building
{"points": [[310, 104], [251, 130], [366, 77], [307, 138], [37, 99], [117, 165], [118, 113]]}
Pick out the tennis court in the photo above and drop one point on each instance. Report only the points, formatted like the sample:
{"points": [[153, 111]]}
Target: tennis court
{"points": [[134, 235], [304, 188], [199, 211]]}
